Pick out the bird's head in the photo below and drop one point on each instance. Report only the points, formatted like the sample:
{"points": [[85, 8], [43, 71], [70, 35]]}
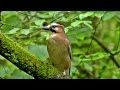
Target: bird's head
{"points": [[54, 27]]}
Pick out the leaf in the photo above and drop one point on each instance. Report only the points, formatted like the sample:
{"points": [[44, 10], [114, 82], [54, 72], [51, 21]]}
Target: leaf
{"points": [[63, 19], [88, 67], [99, 55], [81, 16], [13, 21], [25, 31], [8, 14], [39, 22], [87, 14], [80, 36], [99, 14], [66, 30], [44, 15], [87, 24], [76, 51], [45, 34], [5, 28], [33, 13], [73, 69], [53, 13], [76, 23], [6, 68], [109, 15], [13, 31], [18, 74], [39, 50]]}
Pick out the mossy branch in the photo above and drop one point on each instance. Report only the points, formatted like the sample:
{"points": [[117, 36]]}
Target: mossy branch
{"points": [[25, 61]]}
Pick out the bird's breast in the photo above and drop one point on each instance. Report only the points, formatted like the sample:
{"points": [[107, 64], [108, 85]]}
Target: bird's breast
{"points": [[58, 53]]}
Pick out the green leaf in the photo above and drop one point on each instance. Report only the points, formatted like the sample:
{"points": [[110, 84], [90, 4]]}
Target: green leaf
{"points": [[25, 31], [76, 51], [45, 34], [99, 55], [39, 50], [39, 22], [5, 28], [13, 31], [109, 15], [87, 24], [6, 68], [18, 74], [73, 69], [88, 67], [44, 15], [13, 21], [99, 14], [87, 14], [7, 14], [66, 29], [80, 36], [76, 23], [53, 13], [33, 13], [81, 16], [64, 19]]}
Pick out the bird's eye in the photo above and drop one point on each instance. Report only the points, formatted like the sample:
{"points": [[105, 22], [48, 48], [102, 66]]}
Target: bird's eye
{"points": [[53, 26]]}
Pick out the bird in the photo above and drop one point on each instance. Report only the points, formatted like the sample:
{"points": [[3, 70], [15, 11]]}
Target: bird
{"points": [[59, 48]]}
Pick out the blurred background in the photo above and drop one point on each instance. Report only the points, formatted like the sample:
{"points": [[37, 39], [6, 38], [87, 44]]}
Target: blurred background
{"points": [[94, 38]]}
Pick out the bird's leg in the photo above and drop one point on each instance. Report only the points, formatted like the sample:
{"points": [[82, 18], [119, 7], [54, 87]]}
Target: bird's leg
{"points": [[66, 74]]}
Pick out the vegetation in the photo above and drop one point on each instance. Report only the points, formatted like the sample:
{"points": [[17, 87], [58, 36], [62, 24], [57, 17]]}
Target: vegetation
{"points": [[94, 37]]}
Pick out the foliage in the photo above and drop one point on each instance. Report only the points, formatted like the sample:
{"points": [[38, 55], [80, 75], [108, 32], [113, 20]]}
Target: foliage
{"points": [[88, 60], [9, 71]]}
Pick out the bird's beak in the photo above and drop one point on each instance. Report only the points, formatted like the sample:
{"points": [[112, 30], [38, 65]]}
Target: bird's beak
{"points": [[46, 27]]}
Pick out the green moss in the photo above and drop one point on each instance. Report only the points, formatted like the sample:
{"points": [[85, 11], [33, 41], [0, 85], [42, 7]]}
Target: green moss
{"points": [[25, 60]]}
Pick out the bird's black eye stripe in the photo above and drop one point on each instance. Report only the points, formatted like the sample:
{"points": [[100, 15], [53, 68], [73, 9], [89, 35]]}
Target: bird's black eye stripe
{"points": [[54, 26], [53, 30]]}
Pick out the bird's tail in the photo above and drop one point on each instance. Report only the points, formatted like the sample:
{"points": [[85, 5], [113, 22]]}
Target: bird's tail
{"points": [[69, 71]]}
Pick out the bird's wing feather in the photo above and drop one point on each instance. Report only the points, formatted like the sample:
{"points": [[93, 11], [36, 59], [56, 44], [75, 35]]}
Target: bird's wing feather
{"points": [[70, 52], [69, 48]]}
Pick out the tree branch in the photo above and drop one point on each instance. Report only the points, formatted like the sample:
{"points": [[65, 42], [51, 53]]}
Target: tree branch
{"points": [[117, 52], [30, 35], [25, 60], [106, 50]]}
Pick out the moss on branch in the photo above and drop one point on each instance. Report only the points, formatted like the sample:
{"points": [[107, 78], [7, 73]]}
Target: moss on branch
{"points": [[24, 60]]}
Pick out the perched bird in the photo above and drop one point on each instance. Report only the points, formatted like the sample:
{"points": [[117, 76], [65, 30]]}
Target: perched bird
{"points": [[59, 48]]}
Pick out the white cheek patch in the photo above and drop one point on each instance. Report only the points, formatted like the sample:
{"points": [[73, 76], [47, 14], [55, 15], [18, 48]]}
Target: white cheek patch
{"points": [[48, 26]]}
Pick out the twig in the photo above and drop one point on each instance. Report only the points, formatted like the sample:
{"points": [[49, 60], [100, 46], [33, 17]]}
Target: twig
{"points": [[95, 31], [117, 46], [92, 39], [30, 35], [106, 50], [116, 53]]}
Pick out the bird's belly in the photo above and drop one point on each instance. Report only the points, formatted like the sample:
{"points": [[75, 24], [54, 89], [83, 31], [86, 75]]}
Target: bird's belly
{"points": [[58, 55]]}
